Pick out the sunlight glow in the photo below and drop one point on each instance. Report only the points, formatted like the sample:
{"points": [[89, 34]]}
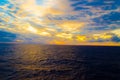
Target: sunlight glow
{"points": [[31, 29]]}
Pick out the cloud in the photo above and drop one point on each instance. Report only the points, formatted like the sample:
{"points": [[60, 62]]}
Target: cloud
{"points": [[111, 36], [7, 36], [97, 21]]}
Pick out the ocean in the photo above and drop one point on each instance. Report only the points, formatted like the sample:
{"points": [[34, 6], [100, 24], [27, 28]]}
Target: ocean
{"points": [[59, 62]]}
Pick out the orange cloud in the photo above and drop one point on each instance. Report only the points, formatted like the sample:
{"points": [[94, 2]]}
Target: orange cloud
{"points": [[81, 38], [57, 42], [64, 36], [71, 26]]}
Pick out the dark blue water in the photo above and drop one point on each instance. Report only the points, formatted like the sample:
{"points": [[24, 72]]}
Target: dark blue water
{"points": [[50, 62]]}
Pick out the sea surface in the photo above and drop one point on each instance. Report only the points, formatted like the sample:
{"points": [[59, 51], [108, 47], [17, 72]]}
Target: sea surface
{"points": [[52, 62]]}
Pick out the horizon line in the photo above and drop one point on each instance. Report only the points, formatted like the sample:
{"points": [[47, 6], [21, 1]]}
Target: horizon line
{"points": [[80, 44]]}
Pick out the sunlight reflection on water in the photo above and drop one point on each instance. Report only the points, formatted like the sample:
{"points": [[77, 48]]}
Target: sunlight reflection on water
{"points": [[46, 62]]}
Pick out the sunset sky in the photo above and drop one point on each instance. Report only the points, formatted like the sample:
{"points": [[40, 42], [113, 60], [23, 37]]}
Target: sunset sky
{"points": [[60, 21]]}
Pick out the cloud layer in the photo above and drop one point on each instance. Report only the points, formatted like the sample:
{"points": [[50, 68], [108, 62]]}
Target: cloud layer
{"points": [[60, 21]]}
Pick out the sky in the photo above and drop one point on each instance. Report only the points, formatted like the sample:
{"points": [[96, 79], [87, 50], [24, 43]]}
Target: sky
{"points": [[66, 22]]}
